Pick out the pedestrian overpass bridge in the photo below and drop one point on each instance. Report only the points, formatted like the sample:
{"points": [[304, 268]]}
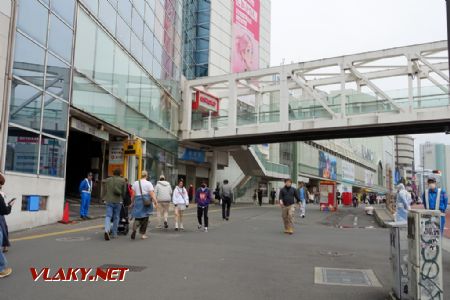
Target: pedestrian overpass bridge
{"points": [[386, 92]]}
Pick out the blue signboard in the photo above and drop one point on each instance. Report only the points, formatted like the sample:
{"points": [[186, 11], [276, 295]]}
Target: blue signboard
{"points": [[192, 155]]}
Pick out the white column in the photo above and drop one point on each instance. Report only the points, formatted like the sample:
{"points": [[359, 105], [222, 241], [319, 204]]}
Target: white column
{"points": [[284, 98], [186, 123], [232, 103], [343, 94], [213, 172]]}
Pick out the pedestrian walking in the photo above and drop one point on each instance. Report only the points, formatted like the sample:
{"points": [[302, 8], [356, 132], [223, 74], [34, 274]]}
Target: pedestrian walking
{"points": [[435, 198], [163, 193], [113, 197], [403, 201], [260, 196], [203, 198], [5, 209], [85, 191], [302, 196], [287, 203], [191, 193], [4, 242], [273, 195], [226, 195], [181, 201], [143, 201], [255, 197]]}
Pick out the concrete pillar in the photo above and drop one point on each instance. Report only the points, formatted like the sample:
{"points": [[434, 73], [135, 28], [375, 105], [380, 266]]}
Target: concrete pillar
{"points": [[213, 172]]}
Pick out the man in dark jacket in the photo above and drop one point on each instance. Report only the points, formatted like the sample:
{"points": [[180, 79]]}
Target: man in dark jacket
{"points": [[288, 194], [203, 199], [4, 210]]}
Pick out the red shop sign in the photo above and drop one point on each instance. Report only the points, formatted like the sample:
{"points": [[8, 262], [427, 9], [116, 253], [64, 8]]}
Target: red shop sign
{"points": [[205, 102]]}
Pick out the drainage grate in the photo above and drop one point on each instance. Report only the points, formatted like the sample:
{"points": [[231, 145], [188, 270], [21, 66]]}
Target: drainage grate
{"points": [[346, 277], [131, 268]]}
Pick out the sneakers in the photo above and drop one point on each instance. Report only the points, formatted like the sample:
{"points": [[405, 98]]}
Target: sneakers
{"points": [[227, 218], [181, 227], [199, 226], [176, 228], [303, 216], [133, 235], [206, 229], [5, 272], [159, 227], [166, 225], [144, 237], [106, 236]]}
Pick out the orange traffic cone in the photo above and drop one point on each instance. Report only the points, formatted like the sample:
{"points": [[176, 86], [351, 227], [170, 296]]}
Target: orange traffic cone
{"points": [[65, 218]]}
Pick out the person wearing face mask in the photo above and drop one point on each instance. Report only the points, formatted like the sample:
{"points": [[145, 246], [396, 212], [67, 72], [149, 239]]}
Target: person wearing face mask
{"points": [[435, 199], [203, 198]]}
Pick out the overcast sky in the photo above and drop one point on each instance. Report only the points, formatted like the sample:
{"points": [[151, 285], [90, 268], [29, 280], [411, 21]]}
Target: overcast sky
{"points": [[304, 30], [307, 30]]}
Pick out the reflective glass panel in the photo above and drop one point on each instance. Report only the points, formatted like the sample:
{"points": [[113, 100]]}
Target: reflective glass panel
{"points": [[60, 38], [22, 151], [33, 19], [107, 15], [25, 105], [136, 47], [120, 73], [85, 45], [137, 23], [58, 77], [52, 157], [92, 5], [125, 10], [29, 60], [55, 116], [65, 9], [104, 60], [123, 32]]}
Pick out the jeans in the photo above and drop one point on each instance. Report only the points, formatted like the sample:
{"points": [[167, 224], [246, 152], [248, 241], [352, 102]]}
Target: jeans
{"points": [[112, 211], [85, 202], [226, 203], [202, 212], [3, 262], [303, 207]]}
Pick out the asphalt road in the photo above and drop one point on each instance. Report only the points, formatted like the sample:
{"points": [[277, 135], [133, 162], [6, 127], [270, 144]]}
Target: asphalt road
{"points": [[246, 258]]}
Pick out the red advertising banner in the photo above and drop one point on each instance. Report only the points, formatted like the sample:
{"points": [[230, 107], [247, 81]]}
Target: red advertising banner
{"points": [[245, 36]]}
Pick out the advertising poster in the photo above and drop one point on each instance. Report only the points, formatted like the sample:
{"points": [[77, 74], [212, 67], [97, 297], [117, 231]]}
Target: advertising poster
{"points": [[116, 157], [245, 36], [369, 177], [348, 171], [327, 166]]}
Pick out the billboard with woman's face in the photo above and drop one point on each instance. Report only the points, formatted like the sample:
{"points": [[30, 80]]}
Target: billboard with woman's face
{"points": [[245, 36]]}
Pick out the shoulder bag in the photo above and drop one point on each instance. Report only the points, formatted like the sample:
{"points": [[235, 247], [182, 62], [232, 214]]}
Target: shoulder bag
{"points": [[147, 201]]}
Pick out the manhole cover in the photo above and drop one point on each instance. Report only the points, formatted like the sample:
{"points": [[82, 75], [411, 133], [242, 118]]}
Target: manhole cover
{"points": [[334, 253], [131, 268], [73, 239], [347, 277]]}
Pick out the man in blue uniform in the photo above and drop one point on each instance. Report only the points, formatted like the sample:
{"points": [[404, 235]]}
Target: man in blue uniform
{"points": [[85, 190], [435, 199]]}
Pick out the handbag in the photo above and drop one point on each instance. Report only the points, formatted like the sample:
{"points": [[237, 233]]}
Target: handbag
{"points": [[147, 202]]}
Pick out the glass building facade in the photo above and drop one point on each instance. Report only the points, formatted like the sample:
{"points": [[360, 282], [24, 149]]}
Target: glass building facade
{"points": [[196, 24], [119, 61]]}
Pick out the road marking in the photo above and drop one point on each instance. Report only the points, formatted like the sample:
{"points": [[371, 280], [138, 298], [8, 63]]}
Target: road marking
{"points": [[355, 221], [39, 236]]}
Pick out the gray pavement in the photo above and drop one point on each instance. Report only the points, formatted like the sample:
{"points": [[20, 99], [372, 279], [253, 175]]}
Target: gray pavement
{"points": [[246, 258]]}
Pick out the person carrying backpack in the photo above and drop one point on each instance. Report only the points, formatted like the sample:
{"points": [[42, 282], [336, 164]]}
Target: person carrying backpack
{"points": [[226, 195], [203, 198]]}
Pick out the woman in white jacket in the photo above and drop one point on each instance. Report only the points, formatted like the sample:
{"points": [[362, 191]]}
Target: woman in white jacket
{"points": [[180, 199]]}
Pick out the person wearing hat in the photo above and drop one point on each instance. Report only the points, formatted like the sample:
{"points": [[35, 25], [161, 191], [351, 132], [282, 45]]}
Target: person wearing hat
{"points": [[5, 209], [163, 192], [435, 198], [85, 191]]}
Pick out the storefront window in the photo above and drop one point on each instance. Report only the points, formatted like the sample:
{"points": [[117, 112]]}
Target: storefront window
{"points": [[22, 151], [52, 157]]}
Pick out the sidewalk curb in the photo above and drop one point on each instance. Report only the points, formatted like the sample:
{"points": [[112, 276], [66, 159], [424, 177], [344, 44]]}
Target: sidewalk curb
{"points": [[382, 220]]}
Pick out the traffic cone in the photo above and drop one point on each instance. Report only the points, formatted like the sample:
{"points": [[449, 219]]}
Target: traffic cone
{"points": [[65, 218]]}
